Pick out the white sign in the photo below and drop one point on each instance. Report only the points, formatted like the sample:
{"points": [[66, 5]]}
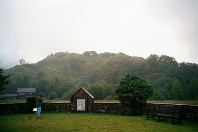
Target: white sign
{"points": [[80, 104], [35, 109]]}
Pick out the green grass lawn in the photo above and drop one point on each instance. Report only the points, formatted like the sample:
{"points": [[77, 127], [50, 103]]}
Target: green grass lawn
{"points": [[86, 122]]}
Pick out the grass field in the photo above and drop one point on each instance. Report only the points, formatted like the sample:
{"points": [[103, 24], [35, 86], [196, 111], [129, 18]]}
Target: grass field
{"points": [[86, 122]]}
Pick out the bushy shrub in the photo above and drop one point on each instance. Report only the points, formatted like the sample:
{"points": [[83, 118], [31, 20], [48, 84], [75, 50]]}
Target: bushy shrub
{"points": [[133, 93], [52, 96], [30, 104]]}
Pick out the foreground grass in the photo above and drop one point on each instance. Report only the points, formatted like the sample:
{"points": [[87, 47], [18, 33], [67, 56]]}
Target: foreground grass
{"points": [[66, 122]]}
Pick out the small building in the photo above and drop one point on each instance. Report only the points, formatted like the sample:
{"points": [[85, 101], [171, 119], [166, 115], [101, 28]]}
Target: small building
{"points": [[82, 101], [8, 96], [26, 92]]}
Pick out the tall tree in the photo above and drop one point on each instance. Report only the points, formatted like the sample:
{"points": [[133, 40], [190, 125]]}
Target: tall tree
{"points": [[133, 93], [193, 88], [4, 80], [176, 90], [22, 61]]}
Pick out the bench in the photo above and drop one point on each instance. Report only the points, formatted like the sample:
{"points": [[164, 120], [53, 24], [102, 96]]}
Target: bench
{"points": [[162, 112]]}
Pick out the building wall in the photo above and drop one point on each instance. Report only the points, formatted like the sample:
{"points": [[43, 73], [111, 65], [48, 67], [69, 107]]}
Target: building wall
{"points": [[81, 94], [24, 95]]}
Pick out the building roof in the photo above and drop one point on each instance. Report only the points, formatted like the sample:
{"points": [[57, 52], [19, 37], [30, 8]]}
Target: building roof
{"points": [[88, 93], [26, 90], [85, 91]]}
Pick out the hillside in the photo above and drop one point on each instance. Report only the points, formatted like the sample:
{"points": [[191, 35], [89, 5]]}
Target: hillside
{"points": [[62, 73]]}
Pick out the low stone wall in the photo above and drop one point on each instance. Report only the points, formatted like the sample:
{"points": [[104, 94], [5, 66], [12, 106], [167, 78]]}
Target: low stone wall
{"points": [[189, 112], [22, 108], [12, 108], [56, 107], [111, 108]]}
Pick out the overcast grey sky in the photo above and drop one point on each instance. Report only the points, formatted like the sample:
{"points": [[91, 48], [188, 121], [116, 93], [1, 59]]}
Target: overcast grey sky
{"points": [[32, 29]]}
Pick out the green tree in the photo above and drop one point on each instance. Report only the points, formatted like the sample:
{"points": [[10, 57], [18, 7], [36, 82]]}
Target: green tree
{"points": [[42, 86], [162, 87], [52, 95], [100, 89], [90, 53], [25, 81], [4, 80], [22, 61], [133, 93], [69, 94], [193, 88], [176, 90], [61, 72]]}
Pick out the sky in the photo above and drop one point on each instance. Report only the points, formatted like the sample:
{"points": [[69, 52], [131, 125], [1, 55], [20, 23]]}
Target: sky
{"points": [[33, 29]]}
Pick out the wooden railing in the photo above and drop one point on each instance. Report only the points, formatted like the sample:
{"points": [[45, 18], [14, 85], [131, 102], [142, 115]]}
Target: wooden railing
{"points": [[164, 111]]}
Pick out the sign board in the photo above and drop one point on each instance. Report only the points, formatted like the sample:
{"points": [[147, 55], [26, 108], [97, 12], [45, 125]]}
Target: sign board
{"points": [[80, 104]]}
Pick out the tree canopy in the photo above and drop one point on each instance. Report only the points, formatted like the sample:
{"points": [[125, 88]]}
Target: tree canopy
{"points": [[63, 73], [4, 80], [133, 93]]}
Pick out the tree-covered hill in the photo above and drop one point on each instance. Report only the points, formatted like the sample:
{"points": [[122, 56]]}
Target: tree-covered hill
{"points": [[63, 73]]}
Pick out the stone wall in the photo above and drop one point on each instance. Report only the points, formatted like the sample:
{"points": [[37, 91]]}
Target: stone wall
{"points": [[12, 108], [189, 112], [56, 107], [111, 108], [22, 108]]}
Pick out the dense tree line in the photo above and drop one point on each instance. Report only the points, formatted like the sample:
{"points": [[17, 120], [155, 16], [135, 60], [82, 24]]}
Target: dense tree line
{"points": [[4, 80], [61, 74]]}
